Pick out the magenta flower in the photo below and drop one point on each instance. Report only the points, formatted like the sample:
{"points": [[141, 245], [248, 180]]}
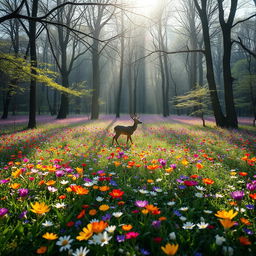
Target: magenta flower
{"points": [[141, 204], [251, 186], [23, 192], [237, 195], [131, 235], [3, 211]]}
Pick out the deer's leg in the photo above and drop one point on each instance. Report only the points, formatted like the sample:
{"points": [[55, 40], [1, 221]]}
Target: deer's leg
{"points": [[131, 139], [116, 137], [128, 137], [113, 139]]}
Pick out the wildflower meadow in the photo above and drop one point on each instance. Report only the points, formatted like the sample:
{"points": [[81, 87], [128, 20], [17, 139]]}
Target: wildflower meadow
{"points": [[179, 189]]}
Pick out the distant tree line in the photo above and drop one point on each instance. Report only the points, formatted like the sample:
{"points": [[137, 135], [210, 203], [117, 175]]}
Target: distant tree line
{"points": [[105, 56]]}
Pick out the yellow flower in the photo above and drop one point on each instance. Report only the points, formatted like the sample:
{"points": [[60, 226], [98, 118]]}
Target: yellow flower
{"points": [[86, 233], [40, 208], [170, 249], [16, 173], [104, 207], [15, 185], [226, 215], [50, 236], [184, 162], [227, 223]]}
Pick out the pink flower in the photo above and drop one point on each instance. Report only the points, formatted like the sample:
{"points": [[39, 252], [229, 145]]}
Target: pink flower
{"points": [[131, 235]]}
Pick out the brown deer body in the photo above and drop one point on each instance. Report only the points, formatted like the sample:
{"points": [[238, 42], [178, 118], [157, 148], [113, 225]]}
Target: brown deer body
{"points": [[126, 130]]}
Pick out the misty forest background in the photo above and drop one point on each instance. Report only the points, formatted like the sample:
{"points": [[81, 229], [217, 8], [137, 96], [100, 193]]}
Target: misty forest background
{"points": [[127, 56]]}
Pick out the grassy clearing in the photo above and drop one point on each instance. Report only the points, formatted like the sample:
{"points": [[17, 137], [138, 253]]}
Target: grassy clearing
{"points": [[164, 189]]}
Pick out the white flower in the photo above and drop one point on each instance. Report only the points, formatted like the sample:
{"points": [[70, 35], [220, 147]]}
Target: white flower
{"points": [[171, 203], [182, 218], [88, 184], [159, 179], [117, 214], [172, 236], [188, 225], [81, 251], [207, 211], [101, 238], [202, 225], [99, 199], [64, 182], [64, 242], [184, 209], [47, 224], [228, 250], [219, 240], [241, 209], [143, 191], [199, 195], [52, 189], [152, 193], [60, 205], [200, 188], [111, 229], [218, 195], [94, 220]]}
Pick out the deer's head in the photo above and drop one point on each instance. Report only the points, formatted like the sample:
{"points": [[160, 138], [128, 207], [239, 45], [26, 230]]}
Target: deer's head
{"points": [[136, 118]]}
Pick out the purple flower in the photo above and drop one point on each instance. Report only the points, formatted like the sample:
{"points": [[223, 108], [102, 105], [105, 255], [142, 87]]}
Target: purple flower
{"points": [[174, 166], [23, 192], [156, 223], [140, 203], [144, 252], [250, 206], [251, 186], [107, 217], [4, 181], [59, 173], [237, 195], [177, 213], [162, 162], [248, 231], [3, 211], [120, 238], [23, 215], [182, 187]]}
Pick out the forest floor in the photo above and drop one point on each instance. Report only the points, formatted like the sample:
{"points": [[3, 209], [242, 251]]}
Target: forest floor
{"points": [[179, 189]]}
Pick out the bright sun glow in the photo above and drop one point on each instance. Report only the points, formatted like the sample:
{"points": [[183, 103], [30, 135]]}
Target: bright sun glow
{"points": [[146, 7]]}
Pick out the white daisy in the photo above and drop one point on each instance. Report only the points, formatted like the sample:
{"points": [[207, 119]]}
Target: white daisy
{"points": [[220, 240], [81, 251], [188, 225], [64, 182], [199, 195], [101, 238], [172, 236], [184, 209], [47, 224], [99, 199], [182, 218], [202, 225], [111, 229], [117, 214], [171, 203], [200, 188], [60, 205], [52, 189], [207, 211], [64, 242]]}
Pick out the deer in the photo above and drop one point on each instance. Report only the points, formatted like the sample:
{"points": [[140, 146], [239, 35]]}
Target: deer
{"points": [[126, 130]]}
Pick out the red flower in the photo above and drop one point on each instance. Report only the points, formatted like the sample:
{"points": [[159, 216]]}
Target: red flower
{"points": [[81, 214], [116, 193], [70, 224], [157, 239], [131, 235]]}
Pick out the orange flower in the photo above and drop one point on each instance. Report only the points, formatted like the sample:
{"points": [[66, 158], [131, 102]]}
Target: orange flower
{"points": [[41, 250], [104, 188], [79, 170], [199, 166], [62, 196], [81, 214], [162, 218], [50, 236], [233, 203], [92, 212], [150, 181], [151, 208], [169, 169], [208, 181], [116, 163], [86, 233], [50, 182], [16, 173], [15, 185], [253, 196], [127, 227], [144, 211], [41, 182], [244, 240], [40, 208], [184, 162], [227, 223], [79, 190], [98, 227], [226, 215], [104, 207], [153, 167], [243, 173], [245, 221]]}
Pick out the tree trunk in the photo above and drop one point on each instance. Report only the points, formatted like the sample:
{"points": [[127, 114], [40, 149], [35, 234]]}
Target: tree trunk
{"points": [[6, 105], [95, 80], [163, 84], [33, 60], [64, 103], [218, 114], [167, 87], [118, 106]]}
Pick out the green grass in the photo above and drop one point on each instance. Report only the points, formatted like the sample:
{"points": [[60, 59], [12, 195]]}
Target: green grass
{"points": [[142, 171]]}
